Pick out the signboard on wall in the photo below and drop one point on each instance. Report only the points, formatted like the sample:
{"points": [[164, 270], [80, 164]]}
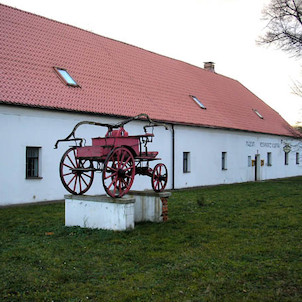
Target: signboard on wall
{"points": [[263, 144]]}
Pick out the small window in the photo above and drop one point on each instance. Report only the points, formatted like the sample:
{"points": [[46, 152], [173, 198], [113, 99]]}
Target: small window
{"points": [[32, 162], [297, 158], [258, 113], [198, 102], [224, 161], [186, 162], [269, 158], [249, 161], [66, 77], [286, 158]]}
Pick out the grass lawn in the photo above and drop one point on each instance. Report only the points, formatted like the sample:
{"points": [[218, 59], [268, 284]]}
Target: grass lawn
{"points": [[240, 242]]}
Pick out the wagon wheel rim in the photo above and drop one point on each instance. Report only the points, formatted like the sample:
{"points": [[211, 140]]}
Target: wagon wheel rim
{"points": [[118, 172], [74, 178], [159, 177]]}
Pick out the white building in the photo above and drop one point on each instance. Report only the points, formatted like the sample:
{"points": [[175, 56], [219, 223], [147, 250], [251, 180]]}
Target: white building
{"points": [[218, 131]]}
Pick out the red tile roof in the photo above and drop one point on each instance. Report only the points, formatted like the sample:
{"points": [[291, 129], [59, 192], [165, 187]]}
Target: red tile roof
{"points": [[118, 79]]}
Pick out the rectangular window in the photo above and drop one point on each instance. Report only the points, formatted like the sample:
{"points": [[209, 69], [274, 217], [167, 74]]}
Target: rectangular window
{"points": [[286, 158], [224, 161], [269, 158], [198, 102], [32, 162], [297, 158], [66, 77], [186, 162], [249, 161], [258, 113]]}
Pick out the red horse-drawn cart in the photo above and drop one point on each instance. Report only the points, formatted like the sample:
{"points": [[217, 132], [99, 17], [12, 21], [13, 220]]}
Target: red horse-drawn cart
{"points": [[118, 156]]}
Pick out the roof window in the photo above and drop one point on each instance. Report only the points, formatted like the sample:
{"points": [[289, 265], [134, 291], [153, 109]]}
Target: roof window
{"points": [[257, 112], [198, 102], [66, 77]]}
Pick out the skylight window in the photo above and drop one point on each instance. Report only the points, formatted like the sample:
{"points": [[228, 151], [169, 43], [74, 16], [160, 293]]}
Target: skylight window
{"points": [[257, 112], [198, 102], [66, 77]]}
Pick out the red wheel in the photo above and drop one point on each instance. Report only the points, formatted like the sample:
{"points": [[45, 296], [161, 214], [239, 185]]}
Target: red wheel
{"points": [[159, 177], [74, 174], [118, 172]]}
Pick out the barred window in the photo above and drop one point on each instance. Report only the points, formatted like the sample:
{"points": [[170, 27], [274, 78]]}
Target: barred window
{"points": [[32, 162], [224, 161], [186, 162], [269, 158], [286, 154]]}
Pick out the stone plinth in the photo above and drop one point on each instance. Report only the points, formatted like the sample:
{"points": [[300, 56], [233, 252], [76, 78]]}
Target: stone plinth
{"points": [[149, 205], [99, 212], [118, 214]]}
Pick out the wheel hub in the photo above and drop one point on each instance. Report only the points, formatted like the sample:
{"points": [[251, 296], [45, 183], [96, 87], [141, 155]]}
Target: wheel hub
{"points": [[121, 173]]}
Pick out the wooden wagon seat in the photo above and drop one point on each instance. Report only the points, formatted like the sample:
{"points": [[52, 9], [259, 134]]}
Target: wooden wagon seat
{"points": [[149, 155]]}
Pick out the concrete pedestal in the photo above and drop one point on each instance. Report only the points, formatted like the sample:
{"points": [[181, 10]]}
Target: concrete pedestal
{"points": [[120, 214], [99, 212], [149, 205]]}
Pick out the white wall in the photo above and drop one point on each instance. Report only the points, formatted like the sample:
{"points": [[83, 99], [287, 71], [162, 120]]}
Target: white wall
{"points": [[22, 127], [206, 147]]}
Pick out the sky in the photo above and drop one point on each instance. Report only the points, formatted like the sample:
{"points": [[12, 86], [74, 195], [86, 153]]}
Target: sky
{"points": [[193, 31]]}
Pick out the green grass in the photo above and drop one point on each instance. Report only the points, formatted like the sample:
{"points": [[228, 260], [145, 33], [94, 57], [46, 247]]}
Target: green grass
{"points": [[238, 242]]}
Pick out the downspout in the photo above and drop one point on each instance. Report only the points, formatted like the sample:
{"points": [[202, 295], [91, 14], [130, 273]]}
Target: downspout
{"points": [[173, 157]]}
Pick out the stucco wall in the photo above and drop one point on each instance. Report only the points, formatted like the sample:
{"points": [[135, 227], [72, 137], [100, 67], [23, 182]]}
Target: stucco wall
{"points": [[206, 147], [22, 127]]}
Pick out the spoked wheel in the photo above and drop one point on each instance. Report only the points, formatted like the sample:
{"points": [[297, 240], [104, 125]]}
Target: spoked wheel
{"points": [[119, 172], [76, 174], [159, 177]]}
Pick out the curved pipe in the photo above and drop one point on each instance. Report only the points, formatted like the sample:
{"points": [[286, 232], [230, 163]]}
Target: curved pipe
{"points": [[71, 136]]}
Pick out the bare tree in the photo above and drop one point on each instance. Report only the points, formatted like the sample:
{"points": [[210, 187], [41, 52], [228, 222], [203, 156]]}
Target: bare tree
{"points": [[297, 88], [284, 28]]}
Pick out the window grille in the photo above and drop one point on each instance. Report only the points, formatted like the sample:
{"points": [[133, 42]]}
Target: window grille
{"points": [[32, 162], [269, 158], [224, 161], [286, 158], [186, 162]]}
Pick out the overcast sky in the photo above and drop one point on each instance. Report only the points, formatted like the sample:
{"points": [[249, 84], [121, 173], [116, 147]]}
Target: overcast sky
{"points": [[194, 31]]}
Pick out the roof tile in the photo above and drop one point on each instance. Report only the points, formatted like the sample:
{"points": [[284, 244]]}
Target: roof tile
{"points": [[118, 79]]}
